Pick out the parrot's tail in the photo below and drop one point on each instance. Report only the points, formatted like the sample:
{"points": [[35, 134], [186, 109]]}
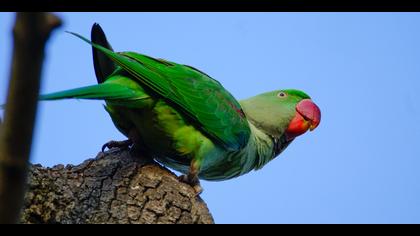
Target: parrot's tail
{"points": [[102, 64], [103, 91]]}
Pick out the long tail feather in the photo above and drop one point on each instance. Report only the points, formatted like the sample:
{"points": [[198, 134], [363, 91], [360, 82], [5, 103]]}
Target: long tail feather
{"points": [[104, 91]]}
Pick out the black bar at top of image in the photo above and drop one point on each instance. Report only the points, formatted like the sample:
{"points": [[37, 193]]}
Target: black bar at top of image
{"points": [[211, 5]]}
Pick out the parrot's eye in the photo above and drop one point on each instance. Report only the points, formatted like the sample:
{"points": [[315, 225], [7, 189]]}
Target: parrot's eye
{"points": [[282, 94]]}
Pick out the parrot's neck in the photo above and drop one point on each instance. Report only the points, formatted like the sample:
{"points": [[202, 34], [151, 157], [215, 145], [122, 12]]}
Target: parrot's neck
{"points": [[267, 147], [260, 150]]}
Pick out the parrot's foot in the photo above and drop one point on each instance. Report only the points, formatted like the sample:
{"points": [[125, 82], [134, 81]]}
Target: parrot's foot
{"points": [[119, 144], [193, 181]]}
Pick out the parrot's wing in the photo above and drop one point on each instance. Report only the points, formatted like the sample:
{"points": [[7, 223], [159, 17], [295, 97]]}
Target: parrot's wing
{"points": [[201, 98]]}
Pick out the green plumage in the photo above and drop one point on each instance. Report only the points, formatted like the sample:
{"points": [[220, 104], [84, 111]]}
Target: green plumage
{"points": [[184, 118]]}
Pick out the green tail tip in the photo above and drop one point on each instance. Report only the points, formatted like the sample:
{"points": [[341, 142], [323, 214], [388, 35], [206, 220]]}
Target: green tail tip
{"points": [[79, 36]]}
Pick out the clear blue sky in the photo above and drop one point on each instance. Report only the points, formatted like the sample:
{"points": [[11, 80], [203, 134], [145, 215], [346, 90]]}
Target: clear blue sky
{"points": [[361, 165]]}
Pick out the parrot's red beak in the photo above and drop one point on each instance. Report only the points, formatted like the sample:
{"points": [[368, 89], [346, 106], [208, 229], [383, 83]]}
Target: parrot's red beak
{"points": [[308, 116], [310, 111]]}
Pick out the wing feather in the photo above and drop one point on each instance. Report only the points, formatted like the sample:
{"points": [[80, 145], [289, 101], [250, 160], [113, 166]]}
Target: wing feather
{"points": [[204, 100]]}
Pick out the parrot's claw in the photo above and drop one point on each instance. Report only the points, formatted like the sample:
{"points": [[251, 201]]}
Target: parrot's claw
{"points": [[198, 189], [119, 144], [194, 182]]}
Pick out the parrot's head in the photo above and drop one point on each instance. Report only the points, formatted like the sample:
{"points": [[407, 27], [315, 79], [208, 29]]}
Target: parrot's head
{"points": [[288, 112]]}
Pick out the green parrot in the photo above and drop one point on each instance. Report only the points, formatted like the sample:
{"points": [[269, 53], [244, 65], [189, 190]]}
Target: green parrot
{"points": [[187, 120]]}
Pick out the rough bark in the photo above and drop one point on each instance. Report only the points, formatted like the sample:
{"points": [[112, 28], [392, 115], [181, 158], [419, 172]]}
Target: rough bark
{"points": [[30, 34], [114, 187]]}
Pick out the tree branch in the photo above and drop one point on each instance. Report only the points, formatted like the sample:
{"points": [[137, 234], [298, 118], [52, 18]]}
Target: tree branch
{"points": [[31, 32], [112, 188]]}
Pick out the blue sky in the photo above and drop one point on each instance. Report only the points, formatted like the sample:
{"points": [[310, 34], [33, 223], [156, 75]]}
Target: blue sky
{"points": [[361, 165]]}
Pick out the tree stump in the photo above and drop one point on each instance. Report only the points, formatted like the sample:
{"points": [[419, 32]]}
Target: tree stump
{"points": [[114, 187]]}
